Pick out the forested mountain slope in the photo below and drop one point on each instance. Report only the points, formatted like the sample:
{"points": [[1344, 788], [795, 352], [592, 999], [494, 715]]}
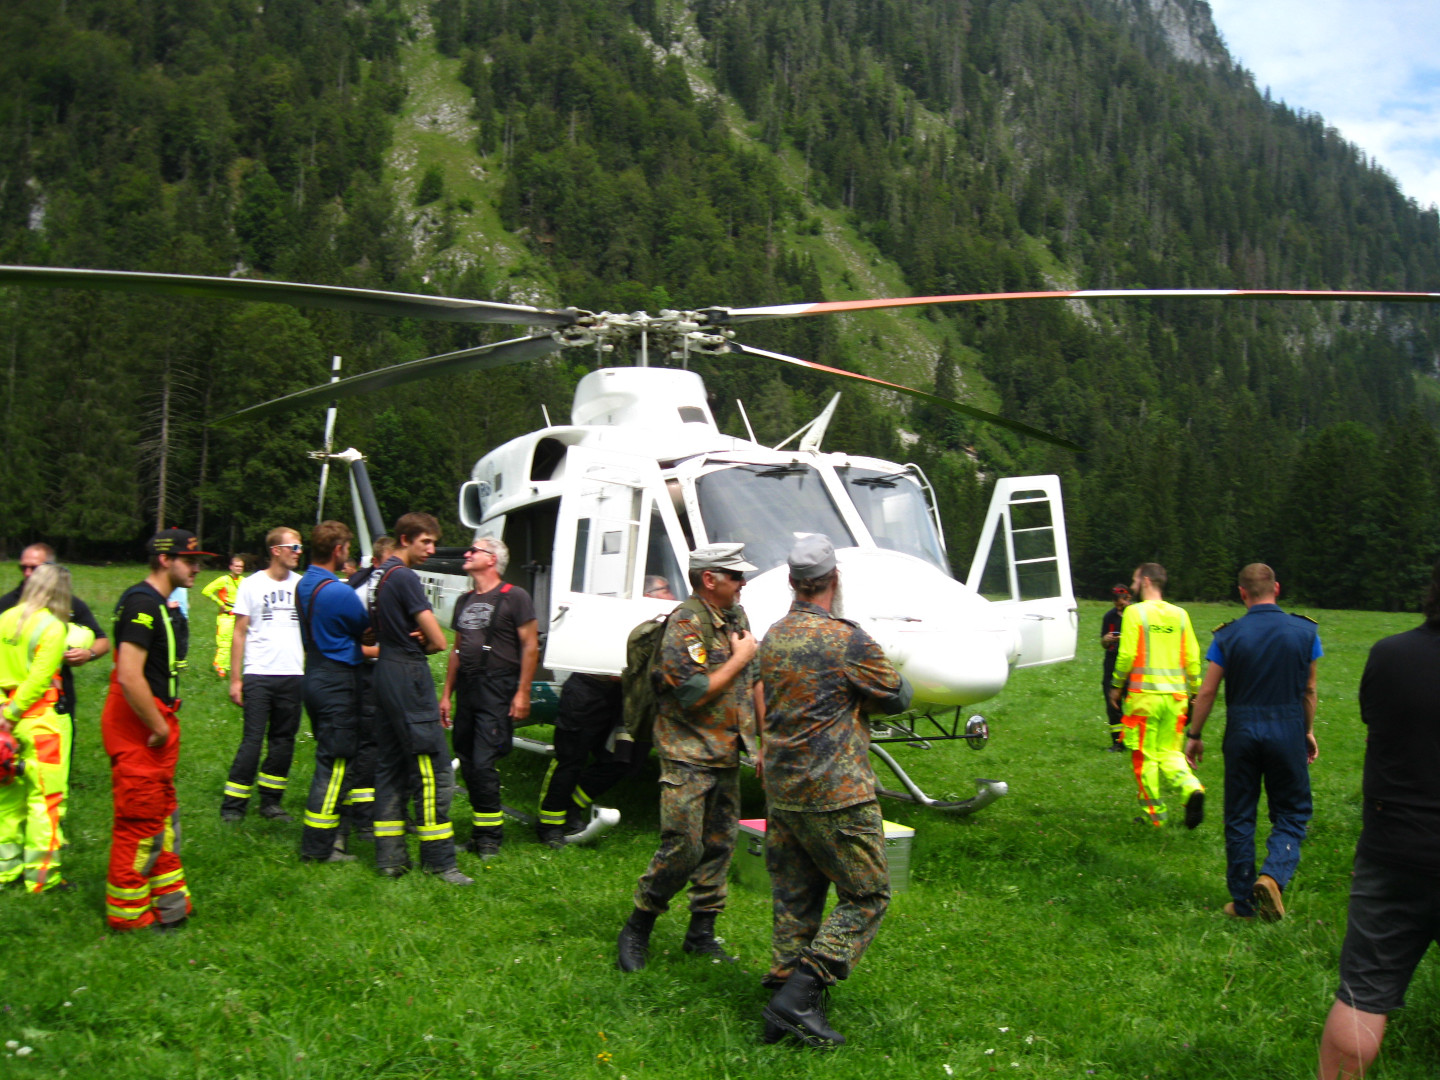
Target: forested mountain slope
{"points": [[624, 154]]}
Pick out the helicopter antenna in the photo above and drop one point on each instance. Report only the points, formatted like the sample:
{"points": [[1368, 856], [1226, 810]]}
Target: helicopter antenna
{"points": [[746, 417], [812, 438], [546, 414], [329, 440]]}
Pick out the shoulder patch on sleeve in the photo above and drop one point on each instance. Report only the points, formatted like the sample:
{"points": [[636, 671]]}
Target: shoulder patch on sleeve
{"points": [[696, 648], [1222, 626], [145, 619], [1307, 618]]}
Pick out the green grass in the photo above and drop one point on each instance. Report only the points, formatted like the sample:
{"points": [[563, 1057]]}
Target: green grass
{"points": [[1048, 929]]}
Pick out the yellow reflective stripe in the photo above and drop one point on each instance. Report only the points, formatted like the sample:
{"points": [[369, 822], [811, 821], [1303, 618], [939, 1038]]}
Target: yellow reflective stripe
{"points": [[488, 820], [237, 791], [389, 828], [162, 880], [581, 799], [428, 814], [143, 854], [114, 892], [359, 795], [170, 652], [332, 791], [552, 817], [443, 831], [269, 781], [117, 912], [321, 821]]}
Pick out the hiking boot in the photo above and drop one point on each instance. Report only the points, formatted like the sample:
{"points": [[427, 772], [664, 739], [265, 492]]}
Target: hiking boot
{"points": [[552, 836], [274, 812], [1194, 809], [1230, 910], [1268, 904], [169, 927], [232, 817], [453, 876], [797, 1008], [633, 946], [700, 937], [484, 846]]}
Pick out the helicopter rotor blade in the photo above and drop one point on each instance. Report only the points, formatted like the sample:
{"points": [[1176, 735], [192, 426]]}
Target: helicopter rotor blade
{"points": [[946, 403], [480, 358], [735, 316], [364, 301]]}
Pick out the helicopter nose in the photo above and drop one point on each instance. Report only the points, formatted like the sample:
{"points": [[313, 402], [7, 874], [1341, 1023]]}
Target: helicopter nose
{"points": [[949, 666]]}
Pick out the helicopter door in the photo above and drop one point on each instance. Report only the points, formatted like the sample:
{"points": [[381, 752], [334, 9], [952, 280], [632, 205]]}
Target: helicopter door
{"points": [[616, 527], [1022, 564]]}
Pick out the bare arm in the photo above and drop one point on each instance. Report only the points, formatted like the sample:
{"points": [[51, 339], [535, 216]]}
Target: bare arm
{"points": [[1200, 712], [432, 638], [237, 659], [130, 673], [452, 667], [1311, 701], [529, 634]]}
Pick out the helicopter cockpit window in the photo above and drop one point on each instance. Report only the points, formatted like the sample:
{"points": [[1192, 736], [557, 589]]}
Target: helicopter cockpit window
{"points": [[767, 507], [660, 562], [893, 507], [689, 414]]}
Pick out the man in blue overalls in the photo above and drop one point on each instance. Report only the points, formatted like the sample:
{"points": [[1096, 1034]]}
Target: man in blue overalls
{"points": [[1267, 660]]}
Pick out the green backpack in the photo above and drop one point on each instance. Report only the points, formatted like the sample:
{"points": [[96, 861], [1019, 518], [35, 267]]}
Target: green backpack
{"points": [[642, 648]]}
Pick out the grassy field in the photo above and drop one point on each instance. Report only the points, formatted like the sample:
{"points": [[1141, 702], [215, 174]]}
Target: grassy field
{"points": [[1048, 936]]}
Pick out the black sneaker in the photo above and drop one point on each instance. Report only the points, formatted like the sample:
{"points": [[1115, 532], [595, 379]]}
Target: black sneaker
{"points": [[1194, 809]]}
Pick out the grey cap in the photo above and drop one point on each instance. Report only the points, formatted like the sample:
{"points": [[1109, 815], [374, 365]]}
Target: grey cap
{"points": [[812, 556], [720, 557]]}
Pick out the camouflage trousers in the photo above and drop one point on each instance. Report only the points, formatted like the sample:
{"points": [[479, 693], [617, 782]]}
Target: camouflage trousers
{"points": [[699, 817], [804, 853]]}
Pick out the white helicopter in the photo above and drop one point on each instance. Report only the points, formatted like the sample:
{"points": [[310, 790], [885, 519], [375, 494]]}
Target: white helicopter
{"points": [[642, 474]]}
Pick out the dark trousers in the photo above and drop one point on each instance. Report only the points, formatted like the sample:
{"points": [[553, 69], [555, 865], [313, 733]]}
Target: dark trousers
{"points": [[359, 815], [408, 736], [332, 700], [1272, 753], [483, 735], [583, 769], [271, 717], [804, 854]]}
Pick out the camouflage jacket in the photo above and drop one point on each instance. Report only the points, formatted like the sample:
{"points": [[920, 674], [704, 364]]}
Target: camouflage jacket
{"points": [[819, 672], [713, 734]]}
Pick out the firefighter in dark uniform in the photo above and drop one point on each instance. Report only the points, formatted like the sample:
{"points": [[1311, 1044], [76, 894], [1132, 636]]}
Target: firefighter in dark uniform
{"points": [[1268, 662], [1110, 624], [407, 730], [709, 698], [333, 623], [821, 675], [586, 763]]}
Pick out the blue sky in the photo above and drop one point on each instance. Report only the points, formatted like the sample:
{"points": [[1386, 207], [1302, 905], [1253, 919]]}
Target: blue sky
{"points": [[1371, 68]]}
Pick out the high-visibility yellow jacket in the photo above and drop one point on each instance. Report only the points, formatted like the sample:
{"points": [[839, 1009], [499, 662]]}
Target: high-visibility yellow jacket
{"points": [[1158, 653], [30, 656], [223, 591]]}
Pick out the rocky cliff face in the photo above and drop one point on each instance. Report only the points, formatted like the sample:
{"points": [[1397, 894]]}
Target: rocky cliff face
{"points": [[1189, 30]]}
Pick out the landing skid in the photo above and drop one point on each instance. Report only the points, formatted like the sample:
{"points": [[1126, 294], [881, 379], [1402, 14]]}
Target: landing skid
{"points": [[921, 732]]}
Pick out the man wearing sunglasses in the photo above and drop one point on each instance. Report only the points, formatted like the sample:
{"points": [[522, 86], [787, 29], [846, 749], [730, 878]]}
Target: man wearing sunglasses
{"points": [[709, 698], [267, 674]]}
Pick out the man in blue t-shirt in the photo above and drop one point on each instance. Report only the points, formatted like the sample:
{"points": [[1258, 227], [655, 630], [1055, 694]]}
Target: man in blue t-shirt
{"points": [[1268, 662], [333, 623]]}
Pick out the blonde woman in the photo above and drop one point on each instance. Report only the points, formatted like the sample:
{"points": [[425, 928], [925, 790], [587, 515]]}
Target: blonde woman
{"points": [[32, 648]]}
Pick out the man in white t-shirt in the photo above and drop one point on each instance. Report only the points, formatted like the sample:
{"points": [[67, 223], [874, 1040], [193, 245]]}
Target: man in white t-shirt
{"points": [[267, 667]]}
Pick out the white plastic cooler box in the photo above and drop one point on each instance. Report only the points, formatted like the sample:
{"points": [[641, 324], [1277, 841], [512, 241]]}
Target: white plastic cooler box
{"points": [[749, 860]]}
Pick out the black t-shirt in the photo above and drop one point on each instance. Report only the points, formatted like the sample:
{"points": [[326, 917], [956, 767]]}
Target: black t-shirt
{"points": [[80, 615], [491, 619], [142, 618], [1400, 704], [399, 598], [1110, 624]]}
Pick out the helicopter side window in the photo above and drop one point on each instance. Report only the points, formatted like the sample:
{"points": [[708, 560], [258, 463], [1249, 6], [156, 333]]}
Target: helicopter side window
{"points": [[605, 544], [767, 508], [893, 507], [660, 560]]}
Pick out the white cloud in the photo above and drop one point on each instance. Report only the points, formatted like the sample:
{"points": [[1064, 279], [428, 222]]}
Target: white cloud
{"points": [[1368, 68]]}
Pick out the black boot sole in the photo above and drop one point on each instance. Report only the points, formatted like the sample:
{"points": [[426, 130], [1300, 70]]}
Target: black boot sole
{"points": [[810, 1039]]}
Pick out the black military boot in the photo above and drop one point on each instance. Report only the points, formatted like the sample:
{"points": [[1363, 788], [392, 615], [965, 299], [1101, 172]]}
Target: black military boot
{"points": [[700, 937], [634, 943], [798, 1008]]}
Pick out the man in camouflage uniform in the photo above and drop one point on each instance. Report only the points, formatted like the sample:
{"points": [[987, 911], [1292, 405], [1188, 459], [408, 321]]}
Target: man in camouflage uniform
{"points": [[705, 682], [821, 675]]}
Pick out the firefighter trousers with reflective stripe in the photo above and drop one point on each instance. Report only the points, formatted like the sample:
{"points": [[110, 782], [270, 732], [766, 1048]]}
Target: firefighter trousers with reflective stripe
{"points": [[31, 805], [146, 882], [272, 719], [408, 736], [332, 700], [1153, 726]]}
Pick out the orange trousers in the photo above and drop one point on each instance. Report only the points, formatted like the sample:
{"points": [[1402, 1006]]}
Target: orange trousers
{"points": [[146, 882]]}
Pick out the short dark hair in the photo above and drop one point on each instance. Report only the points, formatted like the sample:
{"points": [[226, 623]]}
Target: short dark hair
{"points": [[413, 524], [326, 537], [1257, 580], [808, 587], [1154, 571]]}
